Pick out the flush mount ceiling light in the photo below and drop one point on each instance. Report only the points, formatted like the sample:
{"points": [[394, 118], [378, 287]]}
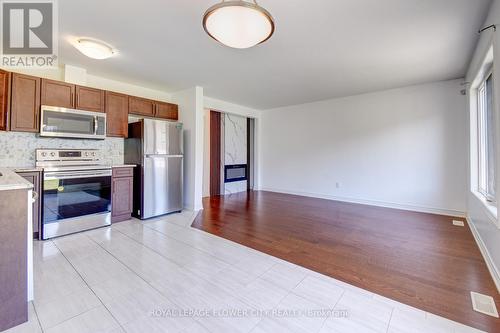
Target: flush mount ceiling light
{"points": [[238, 24], [93, 48]]}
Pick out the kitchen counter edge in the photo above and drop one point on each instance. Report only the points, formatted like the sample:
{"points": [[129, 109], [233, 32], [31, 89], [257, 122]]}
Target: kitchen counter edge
{"points": [[12, 181]]}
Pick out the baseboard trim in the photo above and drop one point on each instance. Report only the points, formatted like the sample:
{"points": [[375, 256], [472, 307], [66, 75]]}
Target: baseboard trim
{"points": [[494, 272], [414, 208]]}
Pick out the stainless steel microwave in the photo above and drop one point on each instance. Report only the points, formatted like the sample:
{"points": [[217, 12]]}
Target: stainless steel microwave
{"points": [[70, 123]]}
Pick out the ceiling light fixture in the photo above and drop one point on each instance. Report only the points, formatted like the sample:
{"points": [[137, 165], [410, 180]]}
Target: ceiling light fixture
{"points": [[238, 24], [93, 48]]}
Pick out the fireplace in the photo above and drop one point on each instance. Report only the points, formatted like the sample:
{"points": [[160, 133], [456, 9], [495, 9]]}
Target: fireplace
{"points": [[235, 173]]}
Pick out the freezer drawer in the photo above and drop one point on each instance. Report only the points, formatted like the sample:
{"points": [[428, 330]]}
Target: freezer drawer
{"points": [[162, 185]]}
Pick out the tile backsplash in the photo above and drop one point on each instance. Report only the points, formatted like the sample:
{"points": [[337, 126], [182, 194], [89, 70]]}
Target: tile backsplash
{"points": [[18, 149]]}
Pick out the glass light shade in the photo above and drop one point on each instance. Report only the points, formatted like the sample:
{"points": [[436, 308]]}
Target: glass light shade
{"points": [[238, 24], [94, 49]]}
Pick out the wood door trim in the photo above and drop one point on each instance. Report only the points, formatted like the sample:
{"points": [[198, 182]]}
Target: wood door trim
{"points": [[249, 162], [215, 153]]}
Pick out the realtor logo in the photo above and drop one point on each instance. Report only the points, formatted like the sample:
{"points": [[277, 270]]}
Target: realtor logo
{"points": [[29, 33]]}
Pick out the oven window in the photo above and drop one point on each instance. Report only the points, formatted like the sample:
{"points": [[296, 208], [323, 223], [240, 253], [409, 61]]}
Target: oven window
{"points": [[67, 198], [62, 122]]}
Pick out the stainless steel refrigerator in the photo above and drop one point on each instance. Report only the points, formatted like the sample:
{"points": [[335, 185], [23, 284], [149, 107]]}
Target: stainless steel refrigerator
{"points": [[156, 146]]}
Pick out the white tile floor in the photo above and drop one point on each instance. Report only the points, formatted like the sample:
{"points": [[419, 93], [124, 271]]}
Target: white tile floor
{"points": [[133, 276]]}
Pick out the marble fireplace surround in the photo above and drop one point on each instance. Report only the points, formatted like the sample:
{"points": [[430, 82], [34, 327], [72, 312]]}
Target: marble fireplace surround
{"points": [[234, 137]]}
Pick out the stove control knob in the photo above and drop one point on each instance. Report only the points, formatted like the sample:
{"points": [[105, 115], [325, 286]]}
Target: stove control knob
{"points": [[44, 154], [93, 153], [52, 154], [86, 153]]}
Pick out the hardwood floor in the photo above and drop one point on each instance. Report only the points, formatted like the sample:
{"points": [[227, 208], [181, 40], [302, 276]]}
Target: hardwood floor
{"points": [[418, 259]]}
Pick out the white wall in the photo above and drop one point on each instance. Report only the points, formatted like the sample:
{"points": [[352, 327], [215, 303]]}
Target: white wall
{"points": [[226, 107], [190, 103], [482, 222], [398, 148]]}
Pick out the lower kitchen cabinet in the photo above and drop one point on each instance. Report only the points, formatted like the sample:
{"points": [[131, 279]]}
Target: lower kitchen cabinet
{"points": [[122, 186], [35, 178]]}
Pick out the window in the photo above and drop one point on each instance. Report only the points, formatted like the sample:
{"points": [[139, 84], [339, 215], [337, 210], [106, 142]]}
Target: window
{"points": [[486, 139]]}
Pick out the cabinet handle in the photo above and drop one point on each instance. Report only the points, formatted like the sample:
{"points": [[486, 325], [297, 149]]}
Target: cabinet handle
{"points": [[77, 100], [34, 197]]}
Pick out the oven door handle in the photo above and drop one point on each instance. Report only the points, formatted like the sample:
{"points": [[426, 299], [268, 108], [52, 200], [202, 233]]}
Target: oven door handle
{"points": [[51, 176]]}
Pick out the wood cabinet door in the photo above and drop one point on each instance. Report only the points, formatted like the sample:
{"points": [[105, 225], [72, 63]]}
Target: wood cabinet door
{"points": [[4, 99], [166, 111], [122, 194], [57, 93], [89, 99], [117, 106], [25, 103], [141, 106]]}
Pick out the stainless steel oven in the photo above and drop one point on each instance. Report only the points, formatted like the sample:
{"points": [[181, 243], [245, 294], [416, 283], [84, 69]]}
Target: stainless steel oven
{"points": [[76, 193], [69, 123]]}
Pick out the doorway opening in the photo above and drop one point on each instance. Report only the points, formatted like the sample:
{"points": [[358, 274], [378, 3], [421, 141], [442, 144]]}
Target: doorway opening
{"points": [[229, 154]]}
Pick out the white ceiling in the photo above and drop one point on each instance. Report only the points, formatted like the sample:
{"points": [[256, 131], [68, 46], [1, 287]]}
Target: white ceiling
{"points": [[321, 48]]}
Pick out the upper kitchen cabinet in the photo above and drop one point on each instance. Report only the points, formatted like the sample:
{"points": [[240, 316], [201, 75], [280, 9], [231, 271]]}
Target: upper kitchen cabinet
{"points": [[141, 106], [89, 99], [4, 99], [57, 93], [25, 103], [166, 111], [117, 108], [23, 95]]}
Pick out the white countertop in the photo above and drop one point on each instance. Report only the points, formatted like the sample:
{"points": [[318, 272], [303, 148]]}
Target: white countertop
{"points": [[27, 169], [124, 166], [9, 180]]}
